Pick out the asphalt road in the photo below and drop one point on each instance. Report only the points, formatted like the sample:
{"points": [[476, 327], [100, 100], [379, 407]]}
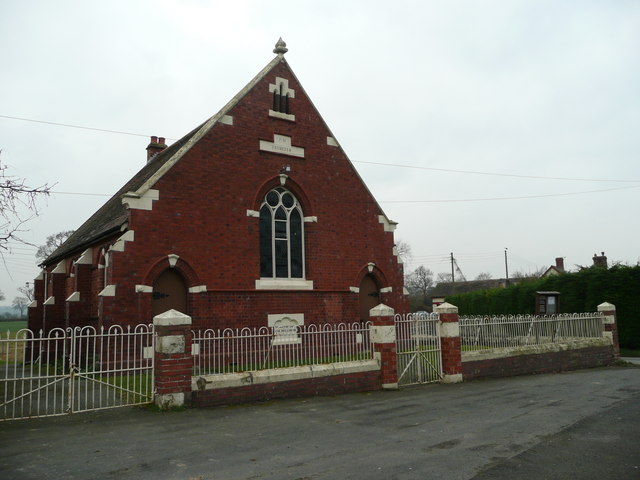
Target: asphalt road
{"points": [[582, 425]]}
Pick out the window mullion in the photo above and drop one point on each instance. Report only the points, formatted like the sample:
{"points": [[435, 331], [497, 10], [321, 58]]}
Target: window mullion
{"points": [[274, 273], [288, 244], [303, 259]]}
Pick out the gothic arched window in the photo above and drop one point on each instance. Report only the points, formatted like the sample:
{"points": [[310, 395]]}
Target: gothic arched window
{"points": [[281, 236]]}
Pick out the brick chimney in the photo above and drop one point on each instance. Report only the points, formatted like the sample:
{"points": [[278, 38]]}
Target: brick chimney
{"points": [[156, 146], [560, 264], [600, 260]]}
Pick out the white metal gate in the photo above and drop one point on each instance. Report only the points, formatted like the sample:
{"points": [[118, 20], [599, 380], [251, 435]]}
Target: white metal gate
{"points": [[418, 348], [75, 370]]}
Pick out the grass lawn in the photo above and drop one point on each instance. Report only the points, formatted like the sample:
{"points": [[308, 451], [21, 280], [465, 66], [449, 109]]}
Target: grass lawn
{"points": [[9, 350], [12, 326], [627, 352]]}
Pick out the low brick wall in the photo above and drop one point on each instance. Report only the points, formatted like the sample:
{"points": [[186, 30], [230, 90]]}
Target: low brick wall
{"points": [[506, 362], [332, 379]]}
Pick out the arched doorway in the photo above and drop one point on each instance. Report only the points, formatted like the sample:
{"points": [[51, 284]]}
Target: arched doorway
{"points": [[169, 292], [369, 296]]}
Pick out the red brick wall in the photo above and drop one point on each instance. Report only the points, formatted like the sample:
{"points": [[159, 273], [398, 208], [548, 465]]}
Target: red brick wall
{"points": [[35, 313], [539, 363]]}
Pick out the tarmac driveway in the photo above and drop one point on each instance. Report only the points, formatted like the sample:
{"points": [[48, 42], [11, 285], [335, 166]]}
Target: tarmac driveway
{"points": [[583, 424]]}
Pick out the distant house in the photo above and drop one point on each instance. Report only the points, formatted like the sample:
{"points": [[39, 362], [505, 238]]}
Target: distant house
{"points": [[598, 261], [255, 216], [556, 269]]}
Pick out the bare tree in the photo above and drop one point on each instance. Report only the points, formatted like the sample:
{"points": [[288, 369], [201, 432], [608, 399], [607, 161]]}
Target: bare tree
{"points": [[444, 278], [484, 276], [26, 292], [404, 251], [1, 296], [419, 281], [530, 274], [52, 243], [20, 303], [16, 198]]}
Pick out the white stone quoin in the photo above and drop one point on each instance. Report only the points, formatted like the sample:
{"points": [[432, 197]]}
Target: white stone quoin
{"points": [[108, 291], [133, 201], [74, 297]]}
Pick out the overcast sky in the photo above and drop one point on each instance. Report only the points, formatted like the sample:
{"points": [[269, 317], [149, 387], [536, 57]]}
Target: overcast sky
{"points": [[508, 89]]}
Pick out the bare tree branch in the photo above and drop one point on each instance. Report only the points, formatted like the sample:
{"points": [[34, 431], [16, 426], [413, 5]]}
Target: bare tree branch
{"points": [[404, 251], [18, 205], [26, 292]]}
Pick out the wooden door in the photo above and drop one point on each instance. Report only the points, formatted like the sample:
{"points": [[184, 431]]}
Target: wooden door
{"points": [[369, 296], [169, 292]]}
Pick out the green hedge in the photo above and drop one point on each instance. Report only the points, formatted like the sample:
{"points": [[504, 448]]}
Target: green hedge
{"points": [[579, 292]]}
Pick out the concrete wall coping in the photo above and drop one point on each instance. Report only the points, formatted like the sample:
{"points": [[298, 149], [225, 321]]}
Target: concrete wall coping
{"points": [[227, 380], [495, 353]]}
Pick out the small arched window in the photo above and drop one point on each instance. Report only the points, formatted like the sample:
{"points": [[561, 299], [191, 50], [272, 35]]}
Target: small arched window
{"points": [[281, 236]]}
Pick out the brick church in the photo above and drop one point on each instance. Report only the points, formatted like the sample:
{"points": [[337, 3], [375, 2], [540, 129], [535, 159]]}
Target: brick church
{"points": [[255, 215]]}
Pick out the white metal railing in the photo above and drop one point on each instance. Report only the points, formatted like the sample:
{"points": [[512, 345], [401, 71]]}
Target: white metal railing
{"points": [[75, 369], [246, 349], [484, 332], [418, 348]]}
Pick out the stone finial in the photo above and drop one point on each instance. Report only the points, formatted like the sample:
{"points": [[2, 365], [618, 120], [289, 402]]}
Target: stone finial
{"points": [[281, 47]]}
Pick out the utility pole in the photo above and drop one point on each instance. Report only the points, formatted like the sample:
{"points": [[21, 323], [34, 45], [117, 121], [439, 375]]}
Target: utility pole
{"points": [[506, 266], [453, 278]]}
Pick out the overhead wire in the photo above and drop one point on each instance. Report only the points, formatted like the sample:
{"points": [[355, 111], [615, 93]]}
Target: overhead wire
{"points": [[521, 197], [451, 200], [458, 200], [386, 164], [69, 125], [497, 174]]}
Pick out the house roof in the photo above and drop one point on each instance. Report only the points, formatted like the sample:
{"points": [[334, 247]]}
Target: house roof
{"points": [[109, 218], [552, 270]]}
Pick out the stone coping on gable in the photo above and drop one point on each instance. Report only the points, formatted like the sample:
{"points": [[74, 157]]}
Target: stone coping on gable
{"points": [[495, 353], [257, 377]]}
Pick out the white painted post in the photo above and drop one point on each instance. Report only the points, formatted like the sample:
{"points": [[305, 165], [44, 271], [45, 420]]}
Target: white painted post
{"points": [[450, 341], [610, 326], [383, 338]]}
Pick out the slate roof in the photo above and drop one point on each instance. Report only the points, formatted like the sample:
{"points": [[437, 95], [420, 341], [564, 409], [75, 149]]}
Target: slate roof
{"points": [[110, 217]]}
